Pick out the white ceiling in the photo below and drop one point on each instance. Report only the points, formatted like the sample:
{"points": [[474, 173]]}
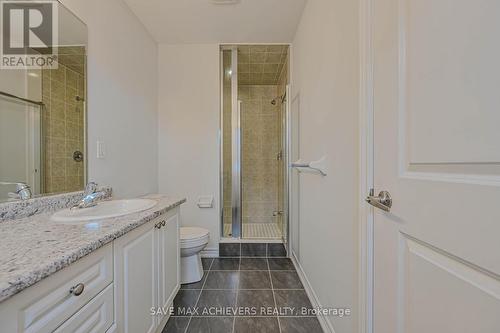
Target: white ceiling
{"points": [[201, 21]]}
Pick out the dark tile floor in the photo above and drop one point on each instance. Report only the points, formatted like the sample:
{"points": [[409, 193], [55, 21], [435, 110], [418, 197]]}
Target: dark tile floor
{"points": [[242, 295]]}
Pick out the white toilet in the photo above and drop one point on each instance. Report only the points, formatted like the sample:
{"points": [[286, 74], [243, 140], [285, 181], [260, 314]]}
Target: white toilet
{"points": [[193, 240]]}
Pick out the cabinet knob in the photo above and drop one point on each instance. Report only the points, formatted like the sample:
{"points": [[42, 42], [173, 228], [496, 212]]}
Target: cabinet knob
{"points": [[160, 224], [77, 290]]}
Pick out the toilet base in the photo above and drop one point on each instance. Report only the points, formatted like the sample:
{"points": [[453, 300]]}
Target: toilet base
{"points": [[191, 269]]}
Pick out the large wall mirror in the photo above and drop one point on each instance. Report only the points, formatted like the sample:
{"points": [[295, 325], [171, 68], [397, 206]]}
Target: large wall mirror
{"points": [[43, 118]]}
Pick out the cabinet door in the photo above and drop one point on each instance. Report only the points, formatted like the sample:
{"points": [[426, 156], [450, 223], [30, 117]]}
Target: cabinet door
{"points": [[136, 280], [169, 260]]}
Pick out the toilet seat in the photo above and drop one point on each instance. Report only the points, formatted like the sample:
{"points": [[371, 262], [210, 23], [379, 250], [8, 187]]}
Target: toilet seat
{"points": [[193, 236]]}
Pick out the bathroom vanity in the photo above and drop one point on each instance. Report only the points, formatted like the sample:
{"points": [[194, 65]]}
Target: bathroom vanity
{"points": [[106, 275], [95, 268]]}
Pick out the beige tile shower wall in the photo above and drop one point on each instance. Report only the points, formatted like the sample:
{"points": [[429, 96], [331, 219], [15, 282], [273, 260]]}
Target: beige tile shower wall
{"points": [[63, 128], [283, 79], [260, 64], [260, 145]]}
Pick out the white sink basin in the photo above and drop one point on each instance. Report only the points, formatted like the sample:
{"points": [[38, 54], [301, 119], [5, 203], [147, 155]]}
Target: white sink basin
{"points": [[103, 210]]}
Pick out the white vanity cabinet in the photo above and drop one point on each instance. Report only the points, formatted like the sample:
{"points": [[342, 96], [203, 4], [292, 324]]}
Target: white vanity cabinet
{"points": [[146, 274], [113, 289]]}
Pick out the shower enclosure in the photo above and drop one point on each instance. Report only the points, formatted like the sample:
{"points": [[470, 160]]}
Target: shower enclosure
{"points": [[254, 171]]}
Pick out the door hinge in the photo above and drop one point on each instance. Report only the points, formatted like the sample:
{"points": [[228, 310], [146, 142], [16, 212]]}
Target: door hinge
{"points": [[279, 156]]}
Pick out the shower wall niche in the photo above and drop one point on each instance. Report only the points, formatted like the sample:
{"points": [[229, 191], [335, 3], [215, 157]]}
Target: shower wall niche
{"points": [[256, 86]]}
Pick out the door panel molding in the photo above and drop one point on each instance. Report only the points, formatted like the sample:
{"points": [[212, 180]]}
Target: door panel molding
{"points": [[421, 263], [452, 159]]}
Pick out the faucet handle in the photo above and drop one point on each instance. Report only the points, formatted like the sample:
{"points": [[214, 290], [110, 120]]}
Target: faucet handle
{"points": [[23, 190], [90, 188]]}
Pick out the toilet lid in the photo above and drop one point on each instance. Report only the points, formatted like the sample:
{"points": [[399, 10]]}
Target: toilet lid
{"points": [[188, 233]]}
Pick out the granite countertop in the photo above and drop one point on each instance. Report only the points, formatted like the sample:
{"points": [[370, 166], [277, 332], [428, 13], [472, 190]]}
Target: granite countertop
{"points": [[32, 248]]}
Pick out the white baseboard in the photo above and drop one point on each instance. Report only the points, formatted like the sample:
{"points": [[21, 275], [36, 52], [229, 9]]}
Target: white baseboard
{"points": [[210, 253], [326, 325]]}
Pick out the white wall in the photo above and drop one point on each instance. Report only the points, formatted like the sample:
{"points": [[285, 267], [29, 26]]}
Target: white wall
{"points": [[325, 75], [122, 97], [189, 93]]}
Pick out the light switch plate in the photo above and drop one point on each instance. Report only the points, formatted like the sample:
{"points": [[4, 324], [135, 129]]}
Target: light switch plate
{"points": [[101, 149]]}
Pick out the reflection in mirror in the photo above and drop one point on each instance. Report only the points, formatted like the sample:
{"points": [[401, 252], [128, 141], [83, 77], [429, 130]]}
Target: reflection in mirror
{"points": [[43, 119]]}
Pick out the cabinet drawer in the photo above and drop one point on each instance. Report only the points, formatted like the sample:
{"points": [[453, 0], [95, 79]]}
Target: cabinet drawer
{"points": [[95, 317], [46, 305]]}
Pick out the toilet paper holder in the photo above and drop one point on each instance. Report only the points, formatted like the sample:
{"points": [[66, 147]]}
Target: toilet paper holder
{"points": [[205, 201]]}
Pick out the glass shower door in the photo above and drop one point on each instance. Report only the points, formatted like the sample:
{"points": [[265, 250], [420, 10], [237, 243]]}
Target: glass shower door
{"points": [[20, 146], [254, 155]]}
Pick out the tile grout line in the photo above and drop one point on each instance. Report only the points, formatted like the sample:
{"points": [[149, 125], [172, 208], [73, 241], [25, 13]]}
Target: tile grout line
{"points": [[259, 289], [199, 296], [274, 296], [240, 256], [237, 292]]}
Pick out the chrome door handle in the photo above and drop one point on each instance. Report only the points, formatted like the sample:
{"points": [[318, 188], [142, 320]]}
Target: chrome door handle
{"points": [[382, 201]]}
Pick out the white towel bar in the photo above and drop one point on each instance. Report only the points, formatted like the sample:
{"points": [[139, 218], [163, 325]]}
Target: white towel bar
{"points": [[319, 165]]}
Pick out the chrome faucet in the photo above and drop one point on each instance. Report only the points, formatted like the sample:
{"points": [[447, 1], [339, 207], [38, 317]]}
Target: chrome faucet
{"points": [[90, 196], [23, 190]]}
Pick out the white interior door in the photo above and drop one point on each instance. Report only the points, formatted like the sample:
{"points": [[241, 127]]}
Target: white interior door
{"points": [[437, 151]]}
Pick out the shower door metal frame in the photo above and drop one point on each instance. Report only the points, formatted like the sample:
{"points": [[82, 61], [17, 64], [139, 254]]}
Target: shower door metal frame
{"points": [[236, 215], [286, 135]]}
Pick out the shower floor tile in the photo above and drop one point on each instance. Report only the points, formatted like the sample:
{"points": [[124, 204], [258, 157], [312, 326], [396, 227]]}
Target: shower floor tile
{"points": [[257, 230]]}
